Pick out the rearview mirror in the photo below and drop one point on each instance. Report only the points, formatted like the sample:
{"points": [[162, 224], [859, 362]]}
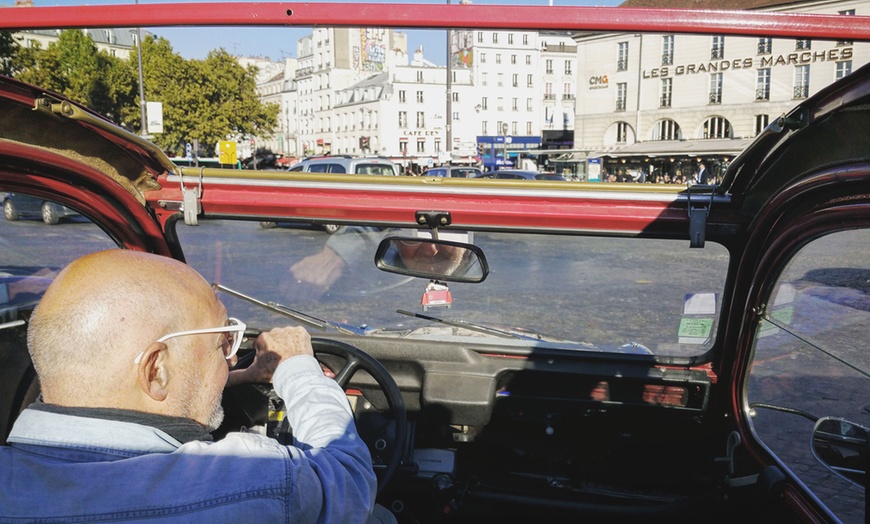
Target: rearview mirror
{"points": [[842, 447], [432, 259]]}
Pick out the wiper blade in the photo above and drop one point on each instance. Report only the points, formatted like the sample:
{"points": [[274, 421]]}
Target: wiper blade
{"points": [[299, 316], [474, 327]]}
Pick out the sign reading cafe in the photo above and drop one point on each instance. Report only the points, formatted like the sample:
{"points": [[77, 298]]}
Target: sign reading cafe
{"points": [[797, 58]]}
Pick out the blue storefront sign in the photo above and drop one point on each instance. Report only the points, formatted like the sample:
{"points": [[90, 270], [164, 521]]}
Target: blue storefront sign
{"points": [[497, 151]]}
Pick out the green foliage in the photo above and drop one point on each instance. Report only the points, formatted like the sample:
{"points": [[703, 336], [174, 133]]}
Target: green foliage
{"points": [[8, 52], [206, 100], [72, 66]]}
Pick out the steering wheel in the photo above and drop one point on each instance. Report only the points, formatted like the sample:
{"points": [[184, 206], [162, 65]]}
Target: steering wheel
{"points": [[383, 431], [386, 437]]}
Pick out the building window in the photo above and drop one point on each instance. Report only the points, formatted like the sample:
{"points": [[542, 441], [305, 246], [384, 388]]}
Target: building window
{"points": [[403, 119], [667, 88], [548, 67], [421, 120], [513, 59], [455, 116], [568, 67], [529, 105], [515, 104], [762, 84], [483, 128], [566, 91], [847, 12], [498, 58], [525, 39], [419, 97], [515, 80], [421, 146], [802, 81], [401, 96], [843, 68], [484, 103], [530, 82], [622, 57], [514, 128], [529, 129], [761, 122], [717, 51], [483, 79], [621, 132], [548, 91], [482, 58], [499, 104], [403, 147], [621, 94], [668, 50], [765, 45], [437, 145], [667, 129], [511, 38], [803, 44], [528, 59], [716, 88], [495, 38], [455, 96], [480, 37], [717, 127], [419, 76], [500, 78]]}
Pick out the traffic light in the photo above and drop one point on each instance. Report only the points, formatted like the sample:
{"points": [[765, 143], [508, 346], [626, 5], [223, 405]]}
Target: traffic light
{"points": [[481, 149]]}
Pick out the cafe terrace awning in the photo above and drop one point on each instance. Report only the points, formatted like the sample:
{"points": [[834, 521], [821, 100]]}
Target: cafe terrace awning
{"points": [[669, 148]]}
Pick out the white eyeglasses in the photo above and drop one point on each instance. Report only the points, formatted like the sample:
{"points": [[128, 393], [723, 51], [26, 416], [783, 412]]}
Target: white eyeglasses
{"points": [[235, 332]]}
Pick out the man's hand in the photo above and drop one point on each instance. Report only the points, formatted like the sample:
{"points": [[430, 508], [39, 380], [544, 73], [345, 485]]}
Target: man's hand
{"points": [[272, 348]]}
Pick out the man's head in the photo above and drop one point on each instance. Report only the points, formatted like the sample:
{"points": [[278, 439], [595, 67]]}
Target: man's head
{"points": [[107, 308]]}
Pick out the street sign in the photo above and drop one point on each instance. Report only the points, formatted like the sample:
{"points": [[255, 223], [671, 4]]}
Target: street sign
{"points": [[188, 150]]}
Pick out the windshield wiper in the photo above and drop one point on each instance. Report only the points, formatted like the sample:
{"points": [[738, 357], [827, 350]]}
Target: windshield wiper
{"points": [[299, 316], [489, 330]]}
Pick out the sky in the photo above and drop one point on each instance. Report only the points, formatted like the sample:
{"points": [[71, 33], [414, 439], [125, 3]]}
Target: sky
{"points": [[278, 43]]}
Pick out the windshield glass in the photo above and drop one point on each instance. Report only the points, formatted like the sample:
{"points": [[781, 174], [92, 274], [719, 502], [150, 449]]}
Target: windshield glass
{"points": [[579, 293]]}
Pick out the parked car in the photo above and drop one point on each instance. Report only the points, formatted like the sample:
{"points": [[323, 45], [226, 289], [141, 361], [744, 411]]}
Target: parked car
{"points": [[611, 353], [454, 171], [516, 174], [347, 164], [17, 206]]}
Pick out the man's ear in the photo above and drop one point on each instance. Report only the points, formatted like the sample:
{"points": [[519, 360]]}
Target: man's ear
{"points": [[153, 371]]}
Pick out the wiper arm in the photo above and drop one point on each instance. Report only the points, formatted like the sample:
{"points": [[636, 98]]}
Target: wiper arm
{"points": [[299, 316], [474, 327]]}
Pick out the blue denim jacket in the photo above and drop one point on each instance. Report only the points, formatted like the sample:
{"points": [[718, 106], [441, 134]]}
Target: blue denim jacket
{"points": [[61, 468]]}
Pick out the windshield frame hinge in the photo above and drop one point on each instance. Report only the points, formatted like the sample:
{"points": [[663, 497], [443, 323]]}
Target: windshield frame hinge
{"points": [[698, 218]]}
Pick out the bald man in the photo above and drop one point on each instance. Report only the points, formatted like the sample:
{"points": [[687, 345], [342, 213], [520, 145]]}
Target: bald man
{"points": [[133, 351]]}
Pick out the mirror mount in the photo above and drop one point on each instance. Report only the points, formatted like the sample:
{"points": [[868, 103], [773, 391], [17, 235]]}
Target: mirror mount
{"points": [[842, 447], [433, 220]]}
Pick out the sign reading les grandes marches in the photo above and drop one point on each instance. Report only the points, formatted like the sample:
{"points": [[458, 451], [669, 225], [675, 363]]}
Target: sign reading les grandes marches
{"points": [[836, 54]]}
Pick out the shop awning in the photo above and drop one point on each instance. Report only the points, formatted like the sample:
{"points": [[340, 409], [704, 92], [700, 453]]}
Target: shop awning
{"points": [[668, 148]]}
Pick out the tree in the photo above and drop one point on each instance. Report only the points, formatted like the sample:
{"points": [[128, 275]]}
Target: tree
{"points": [[205, 100], [72, 66], [8, 52]]}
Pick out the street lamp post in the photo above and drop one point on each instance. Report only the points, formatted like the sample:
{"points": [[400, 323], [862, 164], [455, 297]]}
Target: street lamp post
{"points": [[504, 132], [144, 123]]}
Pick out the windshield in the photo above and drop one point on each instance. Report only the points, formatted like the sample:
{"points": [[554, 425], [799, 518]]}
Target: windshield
{"points": [[579, 293]]}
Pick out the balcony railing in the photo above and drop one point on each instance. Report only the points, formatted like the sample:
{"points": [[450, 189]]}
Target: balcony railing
{"points": [[622, 64], [567, 96], [801, 91], [549, 96], [665, 101], [667, 59], [762, 94], [715, 97], [764, 48], [717, 53], [620, 105]]}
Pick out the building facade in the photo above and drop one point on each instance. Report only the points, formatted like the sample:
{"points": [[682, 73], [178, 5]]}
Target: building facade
{"points": [[663, 103]]}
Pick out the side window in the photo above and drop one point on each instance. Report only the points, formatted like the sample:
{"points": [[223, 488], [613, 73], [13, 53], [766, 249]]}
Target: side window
{"points": [[318, 168], [336, 168], [297, 168], [811, 360]]}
